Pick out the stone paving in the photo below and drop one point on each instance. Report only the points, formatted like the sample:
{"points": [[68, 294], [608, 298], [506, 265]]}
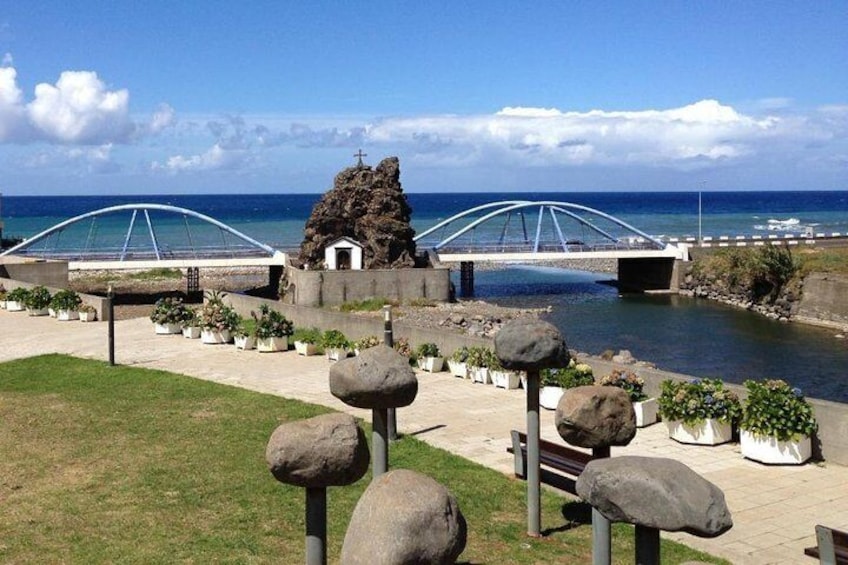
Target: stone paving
{"points": [[774, 508]]}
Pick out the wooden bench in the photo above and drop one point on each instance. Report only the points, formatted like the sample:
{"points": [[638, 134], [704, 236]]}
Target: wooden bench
{"points": [[564, 463], [832, 548]]}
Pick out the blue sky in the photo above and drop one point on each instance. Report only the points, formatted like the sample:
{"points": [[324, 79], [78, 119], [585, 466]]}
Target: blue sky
{"points": [[163, 97]]}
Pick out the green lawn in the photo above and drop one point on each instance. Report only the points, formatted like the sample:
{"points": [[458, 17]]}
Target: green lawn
{"points": [[118, 464]]}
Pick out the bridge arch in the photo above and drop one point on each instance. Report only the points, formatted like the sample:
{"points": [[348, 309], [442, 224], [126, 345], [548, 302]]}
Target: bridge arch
{"points": [[606, 231], [124, 244]]}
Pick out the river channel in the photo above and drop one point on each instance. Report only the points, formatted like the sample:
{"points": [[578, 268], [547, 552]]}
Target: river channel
{"points": [[680, 334]]}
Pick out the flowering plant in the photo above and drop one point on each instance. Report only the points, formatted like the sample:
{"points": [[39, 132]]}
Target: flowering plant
{"points": [[217, 316], [402, 346], [628, 381], [367, 342], [270, 323], [775, 409], [460, 355], [694, 401], [169, 310], [574, 375]]}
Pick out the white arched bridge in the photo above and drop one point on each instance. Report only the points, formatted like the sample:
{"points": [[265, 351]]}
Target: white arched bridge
{"points": [[141, 236]]}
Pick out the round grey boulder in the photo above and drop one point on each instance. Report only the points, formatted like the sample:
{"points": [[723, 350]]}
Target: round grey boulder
{"points": [[595, 416], [327, 450], [656, 493], [527, 344], [379, 377], [404, 517]]}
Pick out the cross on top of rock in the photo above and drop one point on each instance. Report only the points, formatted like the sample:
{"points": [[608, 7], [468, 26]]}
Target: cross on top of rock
{"points": [[359, 155]]}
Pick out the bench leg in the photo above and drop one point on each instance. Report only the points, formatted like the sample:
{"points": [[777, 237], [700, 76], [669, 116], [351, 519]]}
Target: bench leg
{"points": [[647, 546], [824, 539]]}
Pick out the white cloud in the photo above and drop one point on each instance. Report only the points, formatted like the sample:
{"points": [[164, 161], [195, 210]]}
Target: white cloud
{"points": [[79, 109], [216, 158], [12, 114], [8, 60], [163, 118]]}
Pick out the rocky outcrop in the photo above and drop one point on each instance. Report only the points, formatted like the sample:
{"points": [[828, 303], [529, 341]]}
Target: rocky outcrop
{"points": [[367, 205]]}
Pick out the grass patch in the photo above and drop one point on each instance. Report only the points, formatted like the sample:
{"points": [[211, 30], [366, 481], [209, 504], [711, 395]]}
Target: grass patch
{"points": [[823, 260], [155, 274], [367, 305], [120, 464]]}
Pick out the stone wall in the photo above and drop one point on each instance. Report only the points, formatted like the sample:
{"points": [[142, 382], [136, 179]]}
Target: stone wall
{"points": [[331, 288], [824, 300], [47, 273]]}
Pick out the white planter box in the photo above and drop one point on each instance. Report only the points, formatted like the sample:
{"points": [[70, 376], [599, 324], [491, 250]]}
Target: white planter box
{"points": [[38, 311], [480, 375], [51, 312], [549, 396], [431, 364], [67, 315], [244, 342], [646, 412], [88, 316], [767, 449], [336, 353], [2, 304], [458, 369], [269, 344], [167, 329], [191, 332], [14, 306], [505, 379], [213, 337], [305, 349], [709, 432]]}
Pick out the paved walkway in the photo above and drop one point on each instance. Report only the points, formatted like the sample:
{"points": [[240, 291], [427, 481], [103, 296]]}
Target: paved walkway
{"points": [[774, 509]]}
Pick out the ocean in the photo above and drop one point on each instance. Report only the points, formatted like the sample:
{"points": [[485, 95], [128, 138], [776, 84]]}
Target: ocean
{"points": [[680, 334]]}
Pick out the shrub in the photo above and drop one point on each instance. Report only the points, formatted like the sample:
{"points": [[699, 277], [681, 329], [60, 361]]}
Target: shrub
{"points": [[271, 323], [696, 400], [18, 294], [367, 342], [775, 409], [38, 298], [428, 350], [460, 355], [217, 316], [576, 374], [629, 382], [170, 310], [334, 339], [65, 299], [307, 335]]}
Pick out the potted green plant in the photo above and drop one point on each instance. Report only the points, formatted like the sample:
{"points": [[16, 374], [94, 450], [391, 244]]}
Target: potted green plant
{"points": [[429, 357], [218, 321], [16, 299], [335, 344], [646, 409], [3, 294], [191, 324], [272, 330], [38, 301], [699, 411], [168, 315], [479, 359], [777, 423], [503, 378], [458, 362], [87, 313], [306, 341], [243, 336], [554, 382], [366, 342], [66, 304]]}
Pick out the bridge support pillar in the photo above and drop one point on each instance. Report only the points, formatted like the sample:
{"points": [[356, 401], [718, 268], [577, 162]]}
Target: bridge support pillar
{"points": [[640, 275], [275, 273], [466, 278]]}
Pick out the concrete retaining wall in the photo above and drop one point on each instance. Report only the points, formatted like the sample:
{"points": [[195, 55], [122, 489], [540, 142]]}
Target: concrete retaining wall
{"points": [[331, 288], [824, 300], [47, 273]]}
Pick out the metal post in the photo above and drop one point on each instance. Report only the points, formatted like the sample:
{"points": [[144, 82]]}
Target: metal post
{"points": [[110, 312], [379, 442], [534, 513], [389, 340], [601, 532], [316, 526], [647, 545]]}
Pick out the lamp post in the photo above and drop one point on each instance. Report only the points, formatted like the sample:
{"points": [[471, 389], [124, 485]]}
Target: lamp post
{"points": [[110, 310], [389, 340]]}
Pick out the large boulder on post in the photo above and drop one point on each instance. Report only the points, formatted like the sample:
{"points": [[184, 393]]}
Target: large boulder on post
{"points": [[379, 377], [327, 450], [595, 416], [531, 345], [656, 493], [404, 517]]}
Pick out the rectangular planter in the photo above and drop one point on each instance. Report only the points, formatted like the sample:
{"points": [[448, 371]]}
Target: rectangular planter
{"points": [[38, 311], [89, 317], [770, 450], [458, 369], [14, 306], [271, 344], [214, 337], [67, 315], [431, 364], [244, 342], [708, 432], [480, 375], [646, 412], [305, 349], [336, 353], [549, 396], [191, 332], [167, 329], [505, 379]]}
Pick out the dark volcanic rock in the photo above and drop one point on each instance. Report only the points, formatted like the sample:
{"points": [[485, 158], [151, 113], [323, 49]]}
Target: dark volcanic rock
{"points": [[404, 517], [379, 377], [367, 205], [596, 416], [531, 345], [327, 450], [655, 492]]}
